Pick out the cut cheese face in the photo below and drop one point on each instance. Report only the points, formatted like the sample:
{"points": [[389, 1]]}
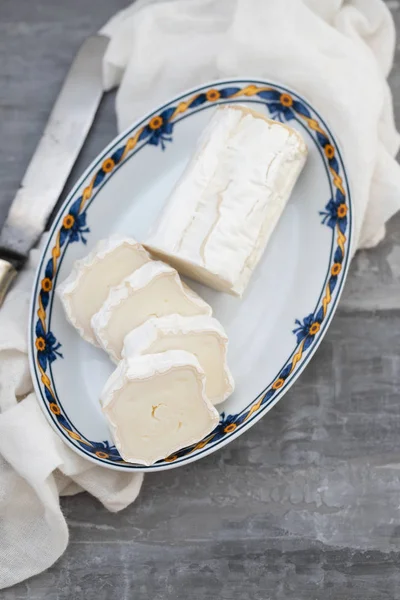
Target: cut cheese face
{"points": [[220, 216], [153, 290], [202, 336], [156, 405], [87, 287]]}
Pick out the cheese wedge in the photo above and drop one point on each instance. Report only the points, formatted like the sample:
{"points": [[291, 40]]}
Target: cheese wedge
{"points": [[220, 216], [87, 287], [203, 336], [156, 404], [153, 290]]}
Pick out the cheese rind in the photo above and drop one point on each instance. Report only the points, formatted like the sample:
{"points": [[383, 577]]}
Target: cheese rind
{"points": [[203, 336], [156, 404], [86, 288], [153, 290], [220, 216]]}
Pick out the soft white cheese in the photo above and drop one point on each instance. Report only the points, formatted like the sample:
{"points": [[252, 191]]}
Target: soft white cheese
{"points": [[203, 336], [220, 216], [92, 277], [153, 290], [156, 404]]}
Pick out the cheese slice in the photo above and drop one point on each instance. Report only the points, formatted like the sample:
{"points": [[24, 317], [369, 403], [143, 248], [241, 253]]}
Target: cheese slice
{"points": [[153, 290], [203, 336], [88, 285], [220, 216], [156, 404]]}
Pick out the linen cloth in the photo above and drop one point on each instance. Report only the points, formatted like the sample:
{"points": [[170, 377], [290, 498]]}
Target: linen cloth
{"points": [[335, 53], [36, 467]]}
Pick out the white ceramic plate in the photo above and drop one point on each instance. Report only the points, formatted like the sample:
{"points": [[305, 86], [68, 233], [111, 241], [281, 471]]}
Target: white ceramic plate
{"points": [[274, 330]]}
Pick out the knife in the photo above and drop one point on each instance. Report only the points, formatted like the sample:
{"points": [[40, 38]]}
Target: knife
{"points": [[54, 157]]}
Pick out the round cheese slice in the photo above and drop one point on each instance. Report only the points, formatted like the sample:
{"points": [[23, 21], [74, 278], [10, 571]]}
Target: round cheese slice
{"points": [[153, 290], [202, 335], [156, 404], [88, 285]]}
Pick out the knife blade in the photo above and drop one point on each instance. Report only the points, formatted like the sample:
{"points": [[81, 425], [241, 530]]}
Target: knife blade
{"points": [[53, 159]]}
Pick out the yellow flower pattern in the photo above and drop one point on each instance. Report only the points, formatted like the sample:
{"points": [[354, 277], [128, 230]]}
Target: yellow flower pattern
{"points": [[157, 130]]}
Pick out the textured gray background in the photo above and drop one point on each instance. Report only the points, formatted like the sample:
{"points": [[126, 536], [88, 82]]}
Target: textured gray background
{"points": [[303, 506]]}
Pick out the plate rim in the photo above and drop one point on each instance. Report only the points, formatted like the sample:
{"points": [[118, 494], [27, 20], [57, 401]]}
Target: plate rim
{"points": [[188, 458]]}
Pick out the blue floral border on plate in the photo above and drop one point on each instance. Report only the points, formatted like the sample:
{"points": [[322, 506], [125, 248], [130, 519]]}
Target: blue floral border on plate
{"points": [[157, 130]]}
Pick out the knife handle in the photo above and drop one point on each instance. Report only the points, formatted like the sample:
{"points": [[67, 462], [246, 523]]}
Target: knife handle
{"points": [[10, 264]]}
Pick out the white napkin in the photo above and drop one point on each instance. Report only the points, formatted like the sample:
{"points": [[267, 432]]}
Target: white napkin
{"points": [[337, 55], [36, 467]]}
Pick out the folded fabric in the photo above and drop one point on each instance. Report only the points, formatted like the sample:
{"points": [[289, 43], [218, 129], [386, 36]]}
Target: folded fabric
{"points": [[336, 53], [36, 467]]}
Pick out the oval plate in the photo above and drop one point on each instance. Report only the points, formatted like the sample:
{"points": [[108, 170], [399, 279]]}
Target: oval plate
{"points": [[274, 330]]}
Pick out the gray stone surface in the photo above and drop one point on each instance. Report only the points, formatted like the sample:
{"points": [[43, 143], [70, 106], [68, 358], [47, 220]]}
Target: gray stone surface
{"points": [[303, 506]]}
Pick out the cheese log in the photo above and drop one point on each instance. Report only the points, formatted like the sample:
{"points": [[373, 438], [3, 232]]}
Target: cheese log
{"points": [[220, 216], [88, 285], [203, 336], [153, 290], [156, 405]]}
